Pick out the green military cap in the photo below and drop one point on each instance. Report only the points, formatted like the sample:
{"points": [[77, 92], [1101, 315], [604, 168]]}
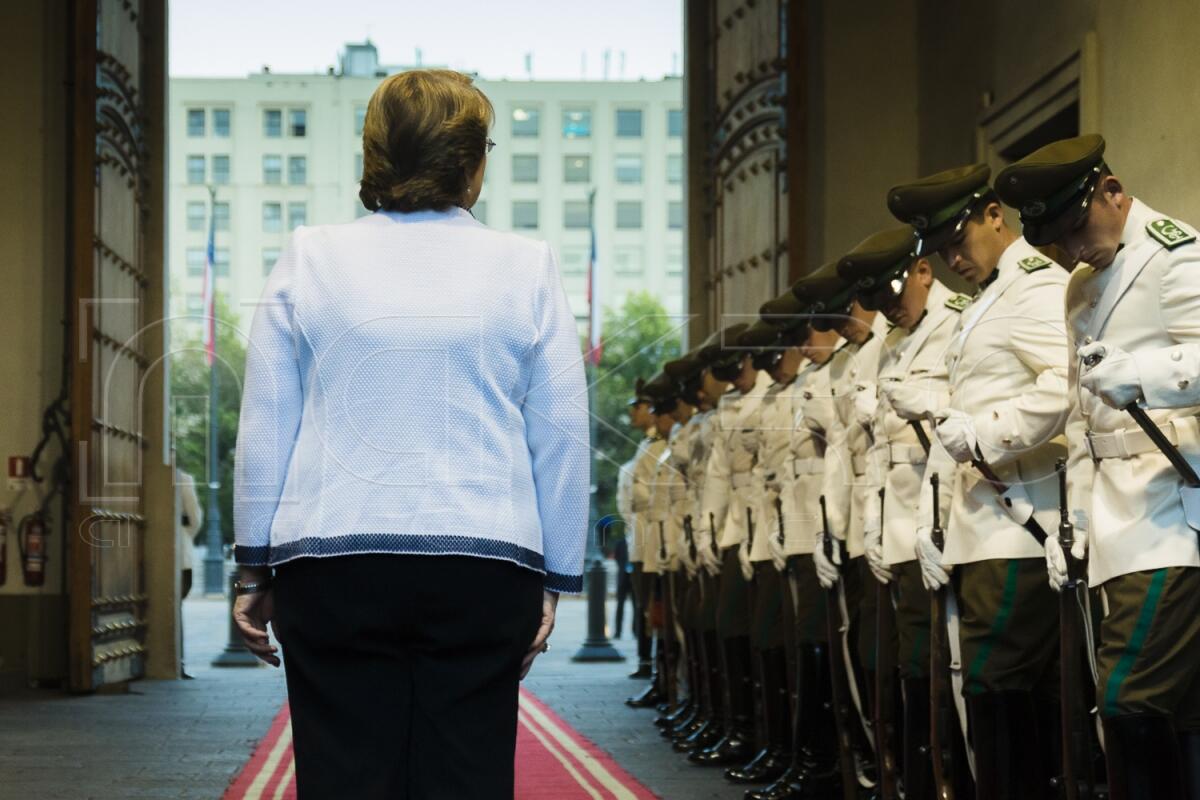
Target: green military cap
{"points": [[639, 392], [825, 295], [663, 392], [726, 355], [1053, 186], [785, 312], [938, 206], [685, 367], [762, 340], [878, 266]]}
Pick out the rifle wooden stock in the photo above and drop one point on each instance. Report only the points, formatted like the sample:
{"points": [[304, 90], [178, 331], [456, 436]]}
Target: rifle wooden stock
{"points": [[837, 673], [884, 723]]}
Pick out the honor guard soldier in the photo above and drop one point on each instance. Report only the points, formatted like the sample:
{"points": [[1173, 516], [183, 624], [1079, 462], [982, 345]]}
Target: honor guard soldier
{"points": [[625, 578], [729, 502], [1000, 435], [889, 277], [1134, 317], [645, 461]]}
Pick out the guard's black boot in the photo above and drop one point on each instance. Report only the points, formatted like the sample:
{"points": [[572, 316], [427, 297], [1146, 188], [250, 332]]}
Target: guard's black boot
{"points": [[714, 730], [1143, 757], [917, 763], [774, 758], [1009, 752], [652, 695], [644, 670], [736, 745], [1189, 747]]}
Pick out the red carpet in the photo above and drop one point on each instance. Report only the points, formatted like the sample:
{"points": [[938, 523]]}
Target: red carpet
{"points": [[553, 763]]}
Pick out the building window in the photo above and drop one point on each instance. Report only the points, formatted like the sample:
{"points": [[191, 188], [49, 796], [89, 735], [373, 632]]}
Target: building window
{"points": [[272, 170], [524, 168], [629, 122], [575, 215], [358, 166], [196, 216], [272, 218], [195, 122], [577, 169], [674, 122], [627, 260], [195, 169], [272, 123], [360, 117], [479, 211], [525, 214], [297, 170], [577, 124], [674, 215], [628, 168], [674, 262], [195, 262], [525, 121], [221, 262], [674, 168], [629, 214], [220, 170], [574, 260], [297, 122], [269, 256], [221, 216], [297, 215], [221, 122], [195, 304]]}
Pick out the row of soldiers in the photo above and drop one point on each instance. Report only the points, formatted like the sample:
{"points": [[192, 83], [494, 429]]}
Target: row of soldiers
{"points": [[913, 543]]}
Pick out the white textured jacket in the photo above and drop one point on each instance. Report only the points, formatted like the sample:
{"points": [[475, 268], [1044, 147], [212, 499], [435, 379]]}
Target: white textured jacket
{"points": [[414, 384]]}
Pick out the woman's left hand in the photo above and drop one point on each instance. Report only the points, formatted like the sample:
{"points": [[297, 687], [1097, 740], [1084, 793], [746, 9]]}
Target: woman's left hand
{"points": [[540, 645], [251, 613]]}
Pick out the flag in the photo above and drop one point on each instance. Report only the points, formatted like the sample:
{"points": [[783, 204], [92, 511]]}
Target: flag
{"points": [[595, 340], [210, 276]]}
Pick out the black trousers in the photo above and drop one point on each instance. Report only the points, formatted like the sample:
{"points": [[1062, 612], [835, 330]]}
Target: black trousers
{"points": [[402, 672]]}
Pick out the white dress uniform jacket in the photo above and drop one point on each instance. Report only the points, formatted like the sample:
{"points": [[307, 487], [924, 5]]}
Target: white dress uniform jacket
{"points": [[701, 450], [729, 482], [812, 416], [775, 460], [846, 486], [645, 464], [624, 499], [917, 359], [1146, 302], [1007, 364], [188, 517]]}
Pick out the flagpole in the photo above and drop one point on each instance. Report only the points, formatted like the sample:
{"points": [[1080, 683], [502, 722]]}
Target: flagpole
{"points": [[596, 647], [214, 559]]}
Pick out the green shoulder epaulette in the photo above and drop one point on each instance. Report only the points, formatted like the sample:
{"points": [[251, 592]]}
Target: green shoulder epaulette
{"points": [[958, 302], [1033, 263], [1168, 233]]}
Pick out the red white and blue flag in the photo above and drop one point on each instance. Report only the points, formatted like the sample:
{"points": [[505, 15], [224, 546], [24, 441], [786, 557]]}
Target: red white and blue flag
{"points": [[210, 311]]}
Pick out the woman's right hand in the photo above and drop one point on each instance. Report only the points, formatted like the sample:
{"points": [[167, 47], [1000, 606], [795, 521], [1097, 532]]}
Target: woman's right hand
{"points": [[539, 644]]}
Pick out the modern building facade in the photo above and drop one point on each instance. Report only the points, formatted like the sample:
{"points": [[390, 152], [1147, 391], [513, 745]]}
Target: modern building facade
{"points": [[285, 150]]}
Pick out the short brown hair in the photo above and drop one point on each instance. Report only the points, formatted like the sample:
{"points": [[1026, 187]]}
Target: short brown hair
{"points": [[424, 135]]}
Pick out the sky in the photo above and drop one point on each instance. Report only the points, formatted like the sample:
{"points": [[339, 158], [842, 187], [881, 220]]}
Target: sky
{"points": [[567, 38]]}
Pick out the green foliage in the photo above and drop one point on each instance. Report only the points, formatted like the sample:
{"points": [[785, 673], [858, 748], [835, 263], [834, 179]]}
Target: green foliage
{"points": [[190, 417], [638, 338]]}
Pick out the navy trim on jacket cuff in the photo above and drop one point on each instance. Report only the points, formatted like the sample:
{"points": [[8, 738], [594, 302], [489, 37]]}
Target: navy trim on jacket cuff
{"points": [[564, 584]]}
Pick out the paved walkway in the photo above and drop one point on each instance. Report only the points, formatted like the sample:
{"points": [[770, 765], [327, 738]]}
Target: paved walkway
{"points": [[186, 739]]}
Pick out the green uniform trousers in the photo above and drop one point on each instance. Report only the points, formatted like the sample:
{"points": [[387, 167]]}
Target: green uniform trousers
{"points": [[733, 598], [1149, 659], [1008, 626], [804, 611], [912, 601], [766, 616]]}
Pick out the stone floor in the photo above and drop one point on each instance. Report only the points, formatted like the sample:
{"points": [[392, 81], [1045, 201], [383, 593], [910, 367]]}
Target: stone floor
{"points": [[186, 739]]}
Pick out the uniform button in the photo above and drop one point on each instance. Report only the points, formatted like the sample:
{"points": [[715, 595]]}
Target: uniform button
{"points": [[1087, 340], [1093, 303], [1183, 384], [1176, 355]]}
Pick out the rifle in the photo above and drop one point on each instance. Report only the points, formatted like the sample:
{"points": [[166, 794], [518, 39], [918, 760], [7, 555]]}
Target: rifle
{"points": [[691, 536], [884, 723], [662, 543], [712, 527], [837, 670], [749, 530], [989, 475], [942, 715], [779, 513], [1078, 779]]}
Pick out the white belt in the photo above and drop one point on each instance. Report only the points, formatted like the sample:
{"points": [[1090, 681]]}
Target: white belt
{"points": [[906, 454], [740, 479], [807, 466], [1130, 442]]}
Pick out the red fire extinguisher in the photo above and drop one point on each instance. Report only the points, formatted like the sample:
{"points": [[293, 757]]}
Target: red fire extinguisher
{"points": [[4, 518], [31, 540]]}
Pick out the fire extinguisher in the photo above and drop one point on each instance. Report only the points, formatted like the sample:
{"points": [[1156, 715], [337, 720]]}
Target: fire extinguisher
{"points": [[31, 540], [4, 521]]}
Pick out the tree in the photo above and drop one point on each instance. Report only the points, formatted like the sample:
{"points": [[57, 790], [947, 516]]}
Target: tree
{"points": [[638, 337], [189, 399]]}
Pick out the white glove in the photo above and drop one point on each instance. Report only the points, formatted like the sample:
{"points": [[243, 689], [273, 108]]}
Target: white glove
{"points": [[744, 560], [1056, 561], [1113, 378], [873, 544], [956, 431], [710, 562], [933, 574], [909, 402], [827, 570], [866, 401], [775, 547]]}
